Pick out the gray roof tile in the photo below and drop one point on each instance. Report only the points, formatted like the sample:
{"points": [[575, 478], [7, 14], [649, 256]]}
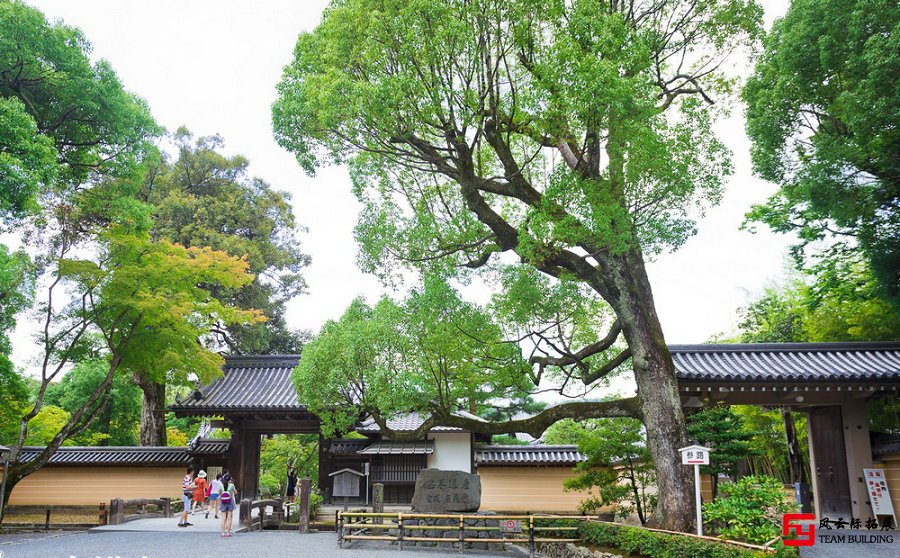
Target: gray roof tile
{"points": [[783, 362], [387, 447], [534, 455], [138, 456]]}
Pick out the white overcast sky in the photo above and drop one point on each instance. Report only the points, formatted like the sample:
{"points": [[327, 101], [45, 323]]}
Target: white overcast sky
{"points": [[213, 66]]}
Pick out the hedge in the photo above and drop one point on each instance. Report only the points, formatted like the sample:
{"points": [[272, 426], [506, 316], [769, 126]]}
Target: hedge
{"points": [[652, 544]]}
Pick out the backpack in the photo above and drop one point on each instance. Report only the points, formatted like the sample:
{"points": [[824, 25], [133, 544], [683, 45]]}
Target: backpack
{"points": [[225, 498]]}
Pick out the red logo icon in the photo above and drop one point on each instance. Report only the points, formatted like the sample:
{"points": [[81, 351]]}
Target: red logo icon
{"points": [[800, 524]]}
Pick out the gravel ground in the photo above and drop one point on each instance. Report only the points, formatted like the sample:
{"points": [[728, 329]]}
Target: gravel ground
{"points": [[273, 544]]}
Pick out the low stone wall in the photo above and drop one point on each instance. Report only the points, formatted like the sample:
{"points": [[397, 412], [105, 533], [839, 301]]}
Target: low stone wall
{"points": [[452, 535], [569, 550]]}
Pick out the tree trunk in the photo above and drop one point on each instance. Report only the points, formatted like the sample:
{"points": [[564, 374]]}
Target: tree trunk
{"points": [[795, 457], [657, 389], [153, 411]]}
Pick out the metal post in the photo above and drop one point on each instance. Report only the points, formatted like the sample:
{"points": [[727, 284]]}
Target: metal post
{"points": [[697, 494], [531, 549]]}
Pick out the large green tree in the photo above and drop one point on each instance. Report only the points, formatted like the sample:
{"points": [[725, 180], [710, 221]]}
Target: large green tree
{"points": [[574, 136], [433, 352], [205, 198], [822, 112]]}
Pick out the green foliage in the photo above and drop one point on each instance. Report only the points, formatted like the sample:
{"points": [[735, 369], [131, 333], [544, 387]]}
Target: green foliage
{"points": [[433, 353], [45, 426], [751, 510], [281, 453], [204, 198], [115, 424], [618, 469], [15, 399], [16, 294], [722, 429], [768, 440], [651, 544], [822, 111], [76, 107], [27, 159]]}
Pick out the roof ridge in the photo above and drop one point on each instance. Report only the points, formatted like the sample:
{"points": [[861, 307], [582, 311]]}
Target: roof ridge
{"points": [[777, 347]]}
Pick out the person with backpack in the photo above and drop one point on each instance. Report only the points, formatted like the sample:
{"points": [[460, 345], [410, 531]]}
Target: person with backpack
{"points": [[226, 507], [187, 490]]}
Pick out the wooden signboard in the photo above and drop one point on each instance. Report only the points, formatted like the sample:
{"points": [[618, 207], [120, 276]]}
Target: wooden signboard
{"points": [[879, 495], [346, 483]]}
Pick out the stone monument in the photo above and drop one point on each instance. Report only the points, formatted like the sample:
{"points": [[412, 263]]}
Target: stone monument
{"points": [[440, 491]]}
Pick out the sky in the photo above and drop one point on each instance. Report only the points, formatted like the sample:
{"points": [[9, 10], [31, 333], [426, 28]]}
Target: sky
{"points": [[212, 65]]}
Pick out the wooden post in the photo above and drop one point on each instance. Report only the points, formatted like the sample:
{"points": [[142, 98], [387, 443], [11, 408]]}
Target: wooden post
{"points": [[166, 506], [462, 533], [305, 490], [400, 531], [102, 518], [378, 501], [47, 520], [339, 527], [245, 515]]}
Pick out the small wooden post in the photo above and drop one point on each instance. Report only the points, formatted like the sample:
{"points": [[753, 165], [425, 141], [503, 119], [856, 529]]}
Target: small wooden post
{"points": [[400, 531], [47, 520], [462, 533], [102, 518], [378, 501], [166, 506], [305, 490], [339, 527]]}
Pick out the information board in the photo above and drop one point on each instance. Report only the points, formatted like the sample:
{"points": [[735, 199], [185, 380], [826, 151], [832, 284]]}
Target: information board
{"points": [[879, 495]]}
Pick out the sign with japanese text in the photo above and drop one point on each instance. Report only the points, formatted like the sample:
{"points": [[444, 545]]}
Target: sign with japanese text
{"points": [[876, 485], [695, 455]]}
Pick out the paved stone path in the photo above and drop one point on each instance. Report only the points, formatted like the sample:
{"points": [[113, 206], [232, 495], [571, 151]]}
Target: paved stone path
{"points": [[182, 544], [200, 523]]}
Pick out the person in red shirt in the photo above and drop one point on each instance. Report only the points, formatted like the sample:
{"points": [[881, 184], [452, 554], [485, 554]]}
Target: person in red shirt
{"points": [[199, 492]]}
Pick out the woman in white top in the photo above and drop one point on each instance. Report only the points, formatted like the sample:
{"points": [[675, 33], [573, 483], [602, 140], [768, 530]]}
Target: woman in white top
{"points": [[215, 489]]}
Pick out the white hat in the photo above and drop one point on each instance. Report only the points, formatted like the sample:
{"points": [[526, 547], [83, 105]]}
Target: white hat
{"points": [[202, 474]]}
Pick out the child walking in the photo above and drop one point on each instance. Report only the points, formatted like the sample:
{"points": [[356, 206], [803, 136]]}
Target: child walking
{"points": [[226, 507]]}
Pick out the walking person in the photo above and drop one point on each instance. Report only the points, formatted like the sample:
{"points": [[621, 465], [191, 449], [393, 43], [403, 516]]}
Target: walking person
{"points": [[199, 492], [187, 490], [215, 490], [226, 507]]}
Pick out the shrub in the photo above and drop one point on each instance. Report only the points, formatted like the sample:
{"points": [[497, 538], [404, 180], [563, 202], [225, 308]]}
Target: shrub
{"points": [[751, 510], [651, 544]]}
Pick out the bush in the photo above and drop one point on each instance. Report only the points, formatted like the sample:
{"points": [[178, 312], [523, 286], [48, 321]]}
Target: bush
{"points": [[651, 544], [751, 510]]}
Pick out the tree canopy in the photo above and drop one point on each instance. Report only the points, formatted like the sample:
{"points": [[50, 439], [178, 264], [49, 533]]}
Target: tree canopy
{"points": [[822, 111], [572, 136], [433, 354]]}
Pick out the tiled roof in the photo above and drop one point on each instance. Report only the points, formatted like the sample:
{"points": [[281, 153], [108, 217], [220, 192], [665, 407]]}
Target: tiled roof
{"points": [[347, 446], [208, 446], [387, 447], [250, 383], [137, 456], [885, 444], [528, 455], [409, 422], [788, 362]]}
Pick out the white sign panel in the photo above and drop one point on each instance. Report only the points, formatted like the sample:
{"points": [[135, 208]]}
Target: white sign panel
{"points": [[695, 455], [876, 485]]}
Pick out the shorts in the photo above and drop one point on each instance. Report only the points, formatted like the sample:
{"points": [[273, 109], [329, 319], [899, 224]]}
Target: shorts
{"points": [[187, 501], [227, 506], [213, 496]]}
